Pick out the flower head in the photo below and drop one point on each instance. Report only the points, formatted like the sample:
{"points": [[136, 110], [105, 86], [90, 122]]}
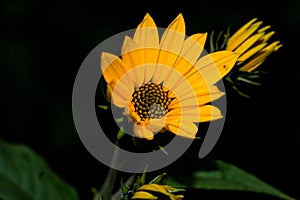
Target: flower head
{"points": [[251, 43], [162, 83], [156, 191]]}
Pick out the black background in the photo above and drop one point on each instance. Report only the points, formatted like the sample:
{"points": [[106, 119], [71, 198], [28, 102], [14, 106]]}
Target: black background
{"points": [[43, 44]]}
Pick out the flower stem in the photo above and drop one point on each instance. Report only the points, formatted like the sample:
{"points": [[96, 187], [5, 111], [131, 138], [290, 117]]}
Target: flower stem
{"points": [[107, 188], [129, 182]]}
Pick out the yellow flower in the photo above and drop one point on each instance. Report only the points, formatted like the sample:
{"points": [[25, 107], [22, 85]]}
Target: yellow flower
{"points": [[161, 83], [251, 43], [155, 191]]}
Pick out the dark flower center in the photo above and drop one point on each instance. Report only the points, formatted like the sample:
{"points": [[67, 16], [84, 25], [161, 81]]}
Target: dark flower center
{"points": [[151, 101]]}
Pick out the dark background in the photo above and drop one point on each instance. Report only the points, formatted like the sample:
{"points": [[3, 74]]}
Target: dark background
{"points": [[43, 44]]}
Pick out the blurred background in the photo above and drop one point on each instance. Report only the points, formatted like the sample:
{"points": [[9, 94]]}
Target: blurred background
{"points": [[43, 44]]}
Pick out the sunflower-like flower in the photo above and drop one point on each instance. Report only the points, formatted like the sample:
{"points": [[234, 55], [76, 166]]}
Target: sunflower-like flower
{"points": [[156, 191], [162, 83], [251, 43]]}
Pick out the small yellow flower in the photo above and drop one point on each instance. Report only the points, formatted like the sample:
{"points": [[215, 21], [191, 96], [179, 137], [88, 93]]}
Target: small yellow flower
{"points": [[162, 83], [251, 43], [155, 191]]}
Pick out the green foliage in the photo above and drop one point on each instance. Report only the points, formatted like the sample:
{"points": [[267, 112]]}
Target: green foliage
{"points": [[239, 81], [218, 175], [24, 175], [157, 179], [215, 45]]}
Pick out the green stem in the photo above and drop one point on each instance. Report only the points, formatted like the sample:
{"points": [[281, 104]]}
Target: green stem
{"points": [[129, 182], [107, 188]]}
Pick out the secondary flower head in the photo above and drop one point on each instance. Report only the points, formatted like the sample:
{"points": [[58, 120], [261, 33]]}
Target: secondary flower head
{"points": [[162, 83], [251, 43], [156, 191]]}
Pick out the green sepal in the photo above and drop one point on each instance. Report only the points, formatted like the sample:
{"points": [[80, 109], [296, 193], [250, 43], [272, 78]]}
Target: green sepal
{"points": [[124, 187], [157, 179], [121, 133], [104, 107]]}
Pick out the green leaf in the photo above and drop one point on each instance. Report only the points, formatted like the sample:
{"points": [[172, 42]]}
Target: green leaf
{"points": [[24, 175], [104, 107], [124, 187], [218, 175], [158, 178], [143, 177], [121, 133], [211, 42]]}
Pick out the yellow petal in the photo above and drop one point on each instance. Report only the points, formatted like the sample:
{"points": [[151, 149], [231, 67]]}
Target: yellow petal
{"points": [[237, 34], [156, 125], [260, 58], [253, 67], [203, 96], [263, 29], [184, 89], [168, 187], [181, 70], [242, 37], [109, 91], [248, 43], [278, 47], [142, 132], [251, 52], [193, 47], [121, 93], [202, 113], [128, 45], [133, 56], [185, 129], [215, 66], [146, 34], [154, 188], [143, 195], [267, 36], [191, 50], [147, 38], [173, 37], [206, 96], [113, 68], [172, 41], [161, 73], [176, 197], [209, 113]]}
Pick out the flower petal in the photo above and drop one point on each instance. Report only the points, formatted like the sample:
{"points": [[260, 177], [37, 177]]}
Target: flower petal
{"points": [[112, 67], [156, 125], [133, 56], [215, 66], [146, 36], [203, 96], [120, 93], [143, 195], [248, 43], [171, 43], [237, 34], [162, 75], [154, 188], [173, 37], [267, 36], [201, 113], [259, 59], [142, 132], [183, 128], [250, 53], [244, 36], [192, 48]]}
